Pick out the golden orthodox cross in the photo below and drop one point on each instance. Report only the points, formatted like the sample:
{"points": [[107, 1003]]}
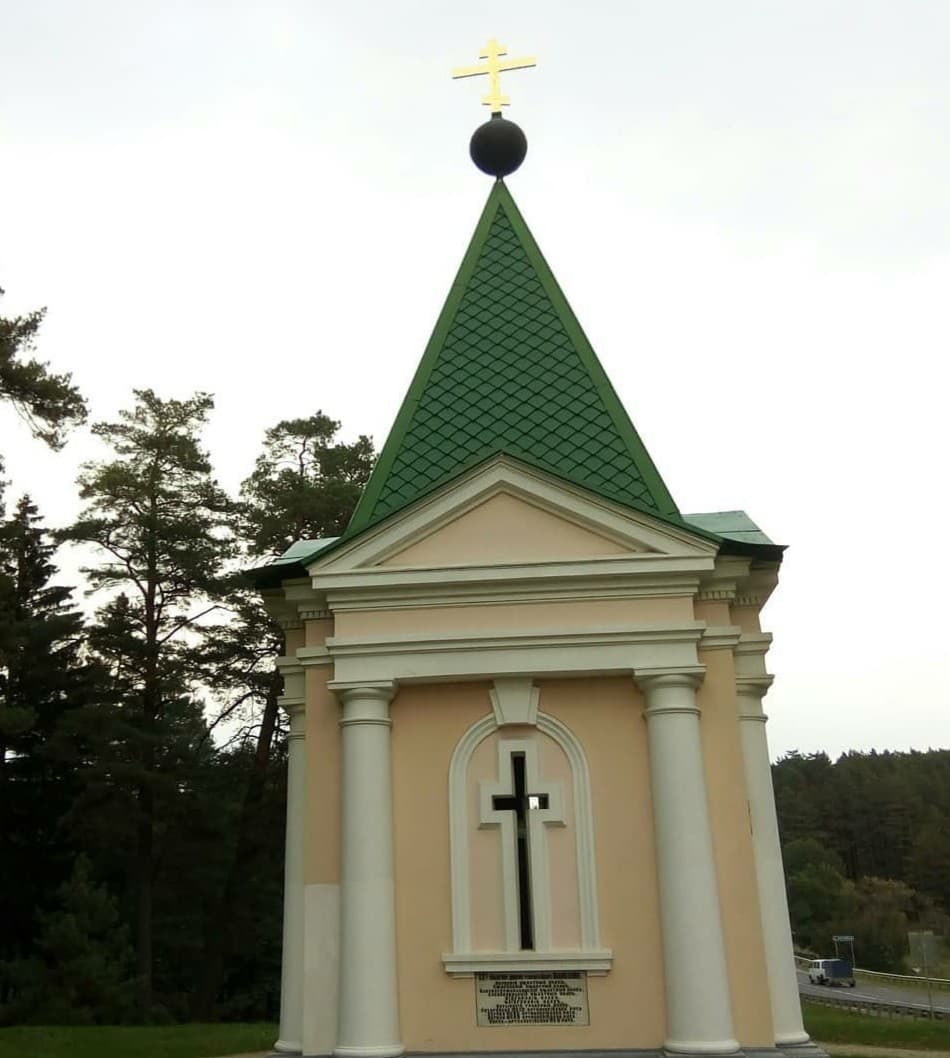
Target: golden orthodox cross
{"points": [[493, 53]]}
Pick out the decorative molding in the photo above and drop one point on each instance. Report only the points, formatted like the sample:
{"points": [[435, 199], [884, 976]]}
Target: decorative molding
{"points": [[515, 701], [754, 643], [312, 613], [756, 588], [721, 637], [750, 660], [293, 676], [416, 591], [585, 852], [465, 965], [716, 594], [678, 574], [309, 657], [288, 624], [453, 656], [458, 831], [462, 961]]}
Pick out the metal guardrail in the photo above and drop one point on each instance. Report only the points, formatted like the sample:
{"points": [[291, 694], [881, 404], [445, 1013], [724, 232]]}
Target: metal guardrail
{"points": [[875, 1007], [942, 983]]}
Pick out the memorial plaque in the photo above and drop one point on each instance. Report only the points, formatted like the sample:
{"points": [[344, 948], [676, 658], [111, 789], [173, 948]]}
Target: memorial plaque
{"points": [[558, 997]]}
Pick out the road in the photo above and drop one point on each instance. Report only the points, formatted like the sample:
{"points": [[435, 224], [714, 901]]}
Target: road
{"points": [[874, 992]]}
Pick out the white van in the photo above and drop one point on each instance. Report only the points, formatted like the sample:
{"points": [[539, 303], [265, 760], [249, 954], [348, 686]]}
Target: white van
{"points": [[831, 972]]}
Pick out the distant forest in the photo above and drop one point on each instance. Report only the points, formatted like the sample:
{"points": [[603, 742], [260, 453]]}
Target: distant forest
{"points": [[866, 843]]}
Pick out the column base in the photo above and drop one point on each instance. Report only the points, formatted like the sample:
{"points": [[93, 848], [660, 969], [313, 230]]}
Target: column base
{"points": [[702, 1047], [793, 1039], [288, 1047], [371, 1050], [808, 1049]]}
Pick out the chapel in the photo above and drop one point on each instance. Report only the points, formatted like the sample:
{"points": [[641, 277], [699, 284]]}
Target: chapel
{"points": [[529, 802]]}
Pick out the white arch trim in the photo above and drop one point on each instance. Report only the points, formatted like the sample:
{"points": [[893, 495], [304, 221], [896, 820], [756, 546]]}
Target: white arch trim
{"points": [[462, 961]]}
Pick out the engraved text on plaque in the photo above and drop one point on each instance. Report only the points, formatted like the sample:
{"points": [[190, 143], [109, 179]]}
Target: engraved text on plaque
{"points": [[558, 997]]}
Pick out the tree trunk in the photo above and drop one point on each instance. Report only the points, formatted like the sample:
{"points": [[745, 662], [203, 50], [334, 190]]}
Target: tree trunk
{"points": [[144, 856], [220, 931]]}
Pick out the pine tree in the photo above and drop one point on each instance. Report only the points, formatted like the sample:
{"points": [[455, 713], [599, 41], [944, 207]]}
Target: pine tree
{"points": [[160, 523], [305, 484], [82, 970], [50, 404], [43, 680]]}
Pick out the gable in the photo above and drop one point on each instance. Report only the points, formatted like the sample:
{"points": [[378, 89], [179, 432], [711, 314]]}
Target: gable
{"points": [[504, 513], [503, 529]]}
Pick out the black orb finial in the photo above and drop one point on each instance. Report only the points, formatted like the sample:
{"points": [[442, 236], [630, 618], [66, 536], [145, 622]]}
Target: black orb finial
{"points": [[498, 147]]}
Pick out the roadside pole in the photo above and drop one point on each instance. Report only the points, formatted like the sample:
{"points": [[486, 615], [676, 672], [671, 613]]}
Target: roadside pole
{"points": [[922, 947]]}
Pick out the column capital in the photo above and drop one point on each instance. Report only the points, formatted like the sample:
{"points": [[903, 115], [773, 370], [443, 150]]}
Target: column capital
{"points": [[378, 691], [750, 690], [296, 709], [754, 685], [653, 679], [366, 704]]}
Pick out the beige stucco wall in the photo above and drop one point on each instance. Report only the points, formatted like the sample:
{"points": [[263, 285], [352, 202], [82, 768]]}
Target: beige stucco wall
{"points": [[505, 528], [522, 617], [438, 1012], [746, 617], [322, 836]]}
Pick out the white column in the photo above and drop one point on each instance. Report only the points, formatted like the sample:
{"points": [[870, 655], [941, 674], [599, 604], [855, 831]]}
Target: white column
{"points": [[369, 1011], [751, 687], [699, 1007], [291, 970]]}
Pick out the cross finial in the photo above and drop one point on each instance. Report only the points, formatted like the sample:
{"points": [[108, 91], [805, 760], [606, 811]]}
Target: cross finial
{"points": [[493, 52]]}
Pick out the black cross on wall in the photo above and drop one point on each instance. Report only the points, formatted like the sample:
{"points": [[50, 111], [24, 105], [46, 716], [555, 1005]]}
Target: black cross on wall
{"points": [[521, 803]]}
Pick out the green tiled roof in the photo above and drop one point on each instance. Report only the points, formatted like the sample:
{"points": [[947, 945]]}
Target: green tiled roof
{"points": [[508, 369]]}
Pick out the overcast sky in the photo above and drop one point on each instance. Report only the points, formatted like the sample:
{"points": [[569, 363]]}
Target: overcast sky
{"points": [[746, 204]]}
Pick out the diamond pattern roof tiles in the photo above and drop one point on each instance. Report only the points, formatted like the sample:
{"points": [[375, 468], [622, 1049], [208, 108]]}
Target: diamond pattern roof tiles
{"points": [[508, 369]]}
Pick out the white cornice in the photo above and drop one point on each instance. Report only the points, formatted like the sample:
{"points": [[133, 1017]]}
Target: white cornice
{"points": [[750, 659], [464, 965], [311, 657], [690, 632], [620, 650], [754, 643], [417, 596], [720, 637], [627, 566], [755, 589]]}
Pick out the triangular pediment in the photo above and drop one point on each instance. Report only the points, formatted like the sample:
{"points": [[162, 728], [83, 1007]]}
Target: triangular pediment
{"points": [[506, 514], [506, 528]]}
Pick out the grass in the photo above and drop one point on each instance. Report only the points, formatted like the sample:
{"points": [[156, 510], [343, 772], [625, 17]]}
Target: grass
{"points": [[830, 1025], [824, 1024], [135, 1041]]}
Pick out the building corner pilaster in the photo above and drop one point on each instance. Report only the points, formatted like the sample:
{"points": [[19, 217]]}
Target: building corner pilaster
{"points": [[292, 953], [752, 684]]}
